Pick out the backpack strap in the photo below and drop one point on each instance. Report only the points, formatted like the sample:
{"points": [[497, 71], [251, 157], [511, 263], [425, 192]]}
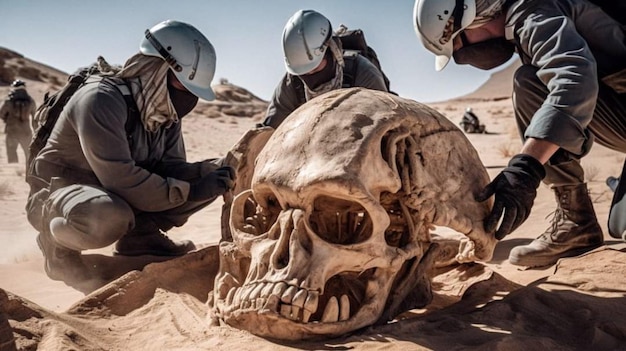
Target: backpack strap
{"points": [[349, 73], [133, 112], [40, 136], [350, 67], [298, 86]]}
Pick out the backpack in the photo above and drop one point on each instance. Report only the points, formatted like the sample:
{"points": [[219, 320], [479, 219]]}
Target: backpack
{"points": [[354, 40], [21, 104], [48, 113]]}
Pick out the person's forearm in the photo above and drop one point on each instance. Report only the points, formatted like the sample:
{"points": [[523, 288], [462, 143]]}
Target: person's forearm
{"points": [[542, 150]]}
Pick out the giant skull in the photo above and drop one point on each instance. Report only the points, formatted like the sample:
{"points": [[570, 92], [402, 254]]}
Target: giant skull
{"points": [[334, 234]]}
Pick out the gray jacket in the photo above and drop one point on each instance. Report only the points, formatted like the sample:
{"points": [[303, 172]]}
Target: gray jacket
{"points": [[573, 43], [287, 98], [150, 172]]}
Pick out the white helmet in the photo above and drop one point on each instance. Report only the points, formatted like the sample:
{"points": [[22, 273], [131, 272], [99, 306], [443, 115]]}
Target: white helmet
{"points": [[469, 109], [189, 54], [438, 22], [18, 83], [305, 40]]}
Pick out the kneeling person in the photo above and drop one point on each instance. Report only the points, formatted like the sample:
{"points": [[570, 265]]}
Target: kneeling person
{"points": [[316, 64], [95, 184]]}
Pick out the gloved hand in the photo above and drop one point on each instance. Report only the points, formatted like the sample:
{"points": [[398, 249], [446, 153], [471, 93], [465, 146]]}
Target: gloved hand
{"points": [[213, 184], [515, 189]]}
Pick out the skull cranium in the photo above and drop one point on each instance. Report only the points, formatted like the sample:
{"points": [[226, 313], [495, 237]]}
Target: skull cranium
{"points": [[334, 234]]}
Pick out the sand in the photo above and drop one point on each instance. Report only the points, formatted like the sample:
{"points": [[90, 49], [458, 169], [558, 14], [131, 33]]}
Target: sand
{"points": [[577, 304]]}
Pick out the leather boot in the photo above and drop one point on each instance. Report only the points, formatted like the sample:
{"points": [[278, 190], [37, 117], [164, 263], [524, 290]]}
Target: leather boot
{"points": [[574, 230], [147, 239], [61, 263]]}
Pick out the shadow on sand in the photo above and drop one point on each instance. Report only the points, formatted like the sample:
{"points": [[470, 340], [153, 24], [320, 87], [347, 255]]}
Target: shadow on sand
{"points": [[103, 269]]}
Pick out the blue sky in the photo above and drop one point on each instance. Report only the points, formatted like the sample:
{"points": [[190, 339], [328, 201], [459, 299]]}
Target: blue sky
{"points": [[67, 34]]}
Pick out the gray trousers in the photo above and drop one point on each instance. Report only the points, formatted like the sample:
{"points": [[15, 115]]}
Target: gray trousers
{"points": [[82, 216], [608, 126], [15, 139]]}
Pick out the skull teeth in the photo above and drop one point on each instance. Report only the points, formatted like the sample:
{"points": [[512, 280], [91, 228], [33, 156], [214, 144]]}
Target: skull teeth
{"points": [[256, 292], [306, 315], [289, 301], [331, 312], [299, 299], [279, 289], [288, 295], [311, 302], [344, 308]]}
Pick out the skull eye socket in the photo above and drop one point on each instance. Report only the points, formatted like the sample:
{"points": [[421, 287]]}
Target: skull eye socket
{"points": [[340, 221], [259, 216]]}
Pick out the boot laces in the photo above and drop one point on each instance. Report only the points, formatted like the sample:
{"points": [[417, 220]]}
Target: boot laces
{"points": [[165, 239], [558, 216]]}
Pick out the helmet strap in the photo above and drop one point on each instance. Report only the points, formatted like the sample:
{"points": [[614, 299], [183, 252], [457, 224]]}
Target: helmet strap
{"points": [[458, 14], [166, 55]]}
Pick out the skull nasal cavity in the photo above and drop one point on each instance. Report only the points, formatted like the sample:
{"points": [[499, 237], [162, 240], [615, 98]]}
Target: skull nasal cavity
{"points": [[292, 237]]}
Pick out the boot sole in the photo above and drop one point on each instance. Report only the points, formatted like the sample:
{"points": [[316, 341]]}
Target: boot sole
{"points": [[46, 266], [77, 273], [543, 261]]}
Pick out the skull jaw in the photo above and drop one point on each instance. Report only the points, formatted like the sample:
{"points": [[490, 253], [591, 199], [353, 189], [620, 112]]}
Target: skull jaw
{"points": [[265, 319], [270, 324]]}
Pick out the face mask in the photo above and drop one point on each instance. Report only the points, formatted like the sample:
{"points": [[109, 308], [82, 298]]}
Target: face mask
{"points": [[183, 101], [485, 54], [318, 78]]}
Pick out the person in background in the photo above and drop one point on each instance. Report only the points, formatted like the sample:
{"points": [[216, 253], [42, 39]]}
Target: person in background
{"points": [[612, 182], [568, 91], [18, 113], [95, 185], [470, 122], [316, 64]]}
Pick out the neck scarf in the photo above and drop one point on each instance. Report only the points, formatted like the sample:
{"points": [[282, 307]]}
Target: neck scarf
{"points": [[147, 77], [334, 83]]}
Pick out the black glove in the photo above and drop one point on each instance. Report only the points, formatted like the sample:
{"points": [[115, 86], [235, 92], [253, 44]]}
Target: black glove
{"points": [[213, 184], [515, 189]]}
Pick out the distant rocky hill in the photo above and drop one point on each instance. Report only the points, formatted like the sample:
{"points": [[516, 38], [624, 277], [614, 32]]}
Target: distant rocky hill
{"points": [[14, 65], [499, 86], [39, 77], [231, 100]]}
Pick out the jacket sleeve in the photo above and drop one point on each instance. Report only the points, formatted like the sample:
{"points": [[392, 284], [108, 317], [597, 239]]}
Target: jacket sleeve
{"points": [[99, 117], [4, 110], [174, 161], [567, 68], [368, 76], [284, 101]]}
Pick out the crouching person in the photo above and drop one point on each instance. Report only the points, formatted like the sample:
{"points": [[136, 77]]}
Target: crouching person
{"points": [[97, 182]]}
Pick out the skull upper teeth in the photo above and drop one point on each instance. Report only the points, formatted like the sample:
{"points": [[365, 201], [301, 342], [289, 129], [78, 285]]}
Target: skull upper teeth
{"points": [[297, 304]]}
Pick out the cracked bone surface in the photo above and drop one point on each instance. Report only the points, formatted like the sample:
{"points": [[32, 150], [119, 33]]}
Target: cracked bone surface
{"points": [[337, 222]]}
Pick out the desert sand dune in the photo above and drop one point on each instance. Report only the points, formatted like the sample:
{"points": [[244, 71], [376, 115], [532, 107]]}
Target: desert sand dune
{"points": [[577, 304]]}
